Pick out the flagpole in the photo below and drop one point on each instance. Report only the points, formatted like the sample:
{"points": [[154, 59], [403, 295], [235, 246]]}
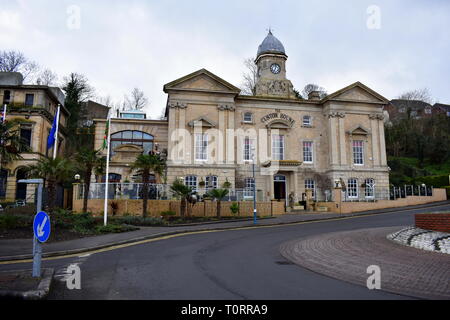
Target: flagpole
{"points": [[55, 147], [4, 113], [105, 218]]}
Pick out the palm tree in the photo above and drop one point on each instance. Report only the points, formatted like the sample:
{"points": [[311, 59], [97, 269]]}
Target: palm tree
{"points": [[183, 191], [54, 171], [145, 164], [11, 144], [218, 195], [87, 159]]}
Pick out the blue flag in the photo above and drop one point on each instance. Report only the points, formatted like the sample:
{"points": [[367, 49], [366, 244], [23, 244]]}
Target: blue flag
{"points": [[52, 136]]}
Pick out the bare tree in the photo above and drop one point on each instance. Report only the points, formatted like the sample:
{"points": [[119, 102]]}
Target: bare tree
{"points": [[47, 78], [15, 61], [313, 87], [417, 95], [249, 77], [137, 101]]}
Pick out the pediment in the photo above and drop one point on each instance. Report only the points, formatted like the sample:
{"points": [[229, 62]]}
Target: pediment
{"points": [[357, 92], [202, 122], [359, 130], [202, 80]]}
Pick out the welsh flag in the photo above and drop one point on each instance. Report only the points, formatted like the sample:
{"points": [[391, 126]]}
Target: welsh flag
{"points": [[105, 138]]}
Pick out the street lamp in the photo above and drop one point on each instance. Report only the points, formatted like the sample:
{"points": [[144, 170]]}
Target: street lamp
{"points": [[254, 186]]}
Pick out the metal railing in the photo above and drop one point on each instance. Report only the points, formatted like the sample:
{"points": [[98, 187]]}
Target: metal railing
{"points": [[392, 193], [156, 192]]}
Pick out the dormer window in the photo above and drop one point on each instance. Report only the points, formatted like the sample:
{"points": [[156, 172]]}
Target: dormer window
{"points": [[428, 110], [248, 117], [307, 121]]}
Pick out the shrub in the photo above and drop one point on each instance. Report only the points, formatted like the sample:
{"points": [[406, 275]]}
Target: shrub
{"points": [[234, 208], [140, 221], [114, 228], [435, 181], [167, 214], [8, 221]]}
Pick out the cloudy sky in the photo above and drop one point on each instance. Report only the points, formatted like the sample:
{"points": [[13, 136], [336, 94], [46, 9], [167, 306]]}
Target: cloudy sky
{"points": [[391, 46]]}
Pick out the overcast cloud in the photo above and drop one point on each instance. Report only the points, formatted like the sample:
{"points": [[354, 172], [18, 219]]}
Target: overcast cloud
{"points": [[125, 44]]}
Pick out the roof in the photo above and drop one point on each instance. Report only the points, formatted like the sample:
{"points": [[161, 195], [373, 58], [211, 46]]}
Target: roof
{"points": [[335, 95], [412, 104], [271, 45], [442, 106]]}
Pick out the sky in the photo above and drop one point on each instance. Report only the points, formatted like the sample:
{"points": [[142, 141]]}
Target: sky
{"points": [[391, 46]]}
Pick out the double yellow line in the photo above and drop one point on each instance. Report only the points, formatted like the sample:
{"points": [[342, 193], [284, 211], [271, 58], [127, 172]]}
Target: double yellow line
{"points": [[187, 233]]}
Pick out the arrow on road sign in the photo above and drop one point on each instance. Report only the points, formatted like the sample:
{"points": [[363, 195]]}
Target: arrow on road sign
{"points": [[41, 227]]}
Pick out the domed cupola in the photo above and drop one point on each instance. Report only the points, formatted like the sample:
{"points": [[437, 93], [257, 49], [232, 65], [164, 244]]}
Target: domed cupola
{"points": [[271, 45], [271, 75]]}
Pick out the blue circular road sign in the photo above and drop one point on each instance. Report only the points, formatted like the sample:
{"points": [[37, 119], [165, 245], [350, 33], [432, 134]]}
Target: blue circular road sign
{"points": [[41, 226]]}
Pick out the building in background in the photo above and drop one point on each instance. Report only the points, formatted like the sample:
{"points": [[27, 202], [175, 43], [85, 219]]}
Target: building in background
{"points": [[35, 107]]}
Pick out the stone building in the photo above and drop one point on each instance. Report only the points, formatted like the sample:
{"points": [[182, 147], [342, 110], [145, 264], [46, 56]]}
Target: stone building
{"points": [[212, 134], [35, 107]]}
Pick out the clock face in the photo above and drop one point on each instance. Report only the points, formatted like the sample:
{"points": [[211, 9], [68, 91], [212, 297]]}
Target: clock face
{"points": [[275, 68]]}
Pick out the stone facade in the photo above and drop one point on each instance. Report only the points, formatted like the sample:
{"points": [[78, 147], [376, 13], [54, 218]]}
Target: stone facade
{"points": [[211, 129], [37, 116]]}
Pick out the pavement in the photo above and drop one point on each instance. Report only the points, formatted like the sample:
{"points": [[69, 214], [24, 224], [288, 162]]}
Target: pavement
{"points": [[232, 264], [347, 255], [21, 249]]}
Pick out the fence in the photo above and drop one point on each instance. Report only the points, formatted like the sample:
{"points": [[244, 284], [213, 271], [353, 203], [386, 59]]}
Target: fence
{"points": [[134, 191], [393, 193]]}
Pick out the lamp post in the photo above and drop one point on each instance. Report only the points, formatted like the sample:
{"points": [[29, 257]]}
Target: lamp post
{"points": [[254, 187]]}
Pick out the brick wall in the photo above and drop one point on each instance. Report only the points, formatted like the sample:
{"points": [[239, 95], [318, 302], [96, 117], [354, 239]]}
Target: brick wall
{"points": [[433, 221]]}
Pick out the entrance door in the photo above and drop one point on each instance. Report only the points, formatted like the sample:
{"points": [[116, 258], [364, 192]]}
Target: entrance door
{"points": [[279, 187]]}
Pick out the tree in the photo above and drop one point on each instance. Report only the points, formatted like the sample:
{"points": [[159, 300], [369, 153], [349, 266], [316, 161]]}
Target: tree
{"points": [[313, 87], [183, 191], [145, 164], [417, 95], [137, 101], [47, 78], [77, 90], [54, 171], [11, 144], [87, 160], [218, 195], [15, 61], [249, 77]]}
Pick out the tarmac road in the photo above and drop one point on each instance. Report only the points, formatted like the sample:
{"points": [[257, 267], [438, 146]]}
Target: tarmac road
{"points": [[234, 264]]}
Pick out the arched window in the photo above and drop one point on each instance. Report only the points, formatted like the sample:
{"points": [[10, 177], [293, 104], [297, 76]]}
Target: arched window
{"points": [[113, 178], [137, 138]]}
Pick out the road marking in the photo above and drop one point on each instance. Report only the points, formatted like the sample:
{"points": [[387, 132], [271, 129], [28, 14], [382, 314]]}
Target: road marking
{"points": [[187, 233]]}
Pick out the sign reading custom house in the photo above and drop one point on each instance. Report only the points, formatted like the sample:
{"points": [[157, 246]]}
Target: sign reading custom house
{"points": [[273, 117]]}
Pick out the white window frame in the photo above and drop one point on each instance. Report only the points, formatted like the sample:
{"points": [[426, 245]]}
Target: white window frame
{"points": [[369, 193], [247, 149], [215, 182], [352, 184], [191, 181], [358, 152], [308, 153], [310, 184], [278, 150], [309, 121], [201, 147], [248, 190], [251, 117]]}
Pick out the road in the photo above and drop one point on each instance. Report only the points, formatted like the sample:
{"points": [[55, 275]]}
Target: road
{"points": [[232, 265]]}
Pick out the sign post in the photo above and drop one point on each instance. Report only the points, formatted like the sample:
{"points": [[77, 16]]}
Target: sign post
{"points": [[41, 227]]}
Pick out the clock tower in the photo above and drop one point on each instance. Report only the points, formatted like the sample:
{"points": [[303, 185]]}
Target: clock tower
{"points": [[271, 62]]}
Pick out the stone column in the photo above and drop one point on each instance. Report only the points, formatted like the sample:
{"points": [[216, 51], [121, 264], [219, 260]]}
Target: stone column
{"points": [[337, 199], [342, 144], [332, 138], [383, 158], [375, 140]]}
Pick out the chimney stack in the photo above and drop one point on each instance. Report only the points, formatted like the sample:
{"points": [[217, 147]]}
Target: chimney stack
{"points": [[314, 95]]}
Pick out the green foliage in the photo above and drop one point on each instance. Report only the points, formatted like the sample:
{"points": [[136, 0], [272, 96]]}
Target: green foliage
{"points": [[140, 221], [218, 194], [13, 221], [12, 144], [168, 213], [180, 189], [234, 208], [114, 228], [435, 181]]}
